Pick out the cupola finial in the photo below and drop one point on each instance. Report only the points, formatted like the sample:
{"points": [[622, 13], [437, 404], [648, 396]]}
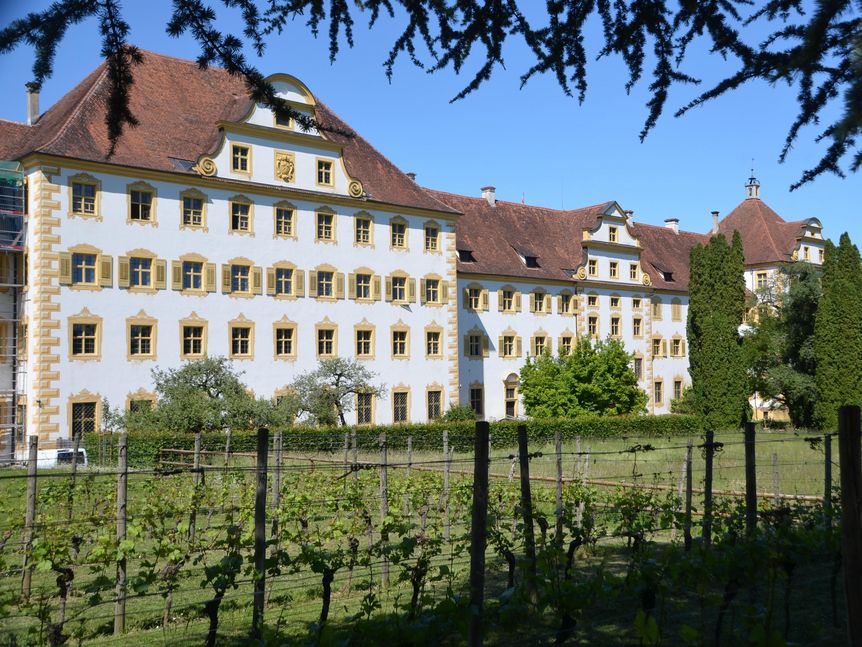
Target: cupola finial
{"points": [[752, 187]]}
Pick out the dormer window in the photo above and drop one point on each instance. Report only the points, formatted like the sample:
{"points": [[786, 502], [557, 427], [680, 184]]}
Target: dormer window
{"points": [[531, 261], [466, 256], [240, 158], [668, 276], [612, 234], [324, 172]]}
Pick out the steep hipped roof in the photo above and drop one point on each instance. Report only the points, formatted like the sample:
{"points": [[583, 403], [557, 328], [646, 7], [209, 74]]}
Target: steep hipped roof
{"points": [[665, 251], [500, 235], [178, 106], [766, 236]]}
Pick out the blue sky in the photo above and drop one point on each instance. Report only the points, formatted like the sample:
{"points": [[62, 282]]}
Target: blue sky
{"points": [[533, 142]]}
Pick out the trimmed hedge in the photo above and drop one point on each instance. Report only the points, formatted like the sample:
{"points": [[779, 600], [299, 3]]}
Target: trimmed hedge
{"points": [[144, 447]]}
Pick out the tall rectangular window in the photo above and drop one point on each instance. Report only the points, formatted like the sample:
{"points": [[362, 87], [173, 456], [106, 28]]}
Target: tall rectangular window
{"points": [[324, 172], [364, 343], [565, 304], [193, 273], [435, 404], [83, 418], [511, 398], [639, 368], [612, 234], [566, 344], [432, 290], [658, 392], [364, 408], [240, 158], [399, 288], [325, 284], [193, 212], [140, 205], [538, 301], [474, 296], [508, 300], [84, 269], [593, 325], [84, 339], [508, 349], [363, 231], [399, 343], [593, 267], [193, 341], [539, 345], [477, 400], [83, 198], [399, 406], [140, 340], [325, 229], [432, 343], [239, 278], [656, 348], [474, 345], [240, 341], [677, 389], [284, 342], [399, 234], [636, 326], [325, 342], [283, 222], [432, 235], [140, 272], [240, 219], [615, 326], [363, 286], [633, 272], [283, 281], [614, 269]]}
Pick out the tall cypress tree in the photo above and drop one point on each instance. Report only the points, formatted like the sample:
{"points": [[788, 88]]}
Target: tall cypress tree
{"points": [[715, 310], [838, 333]]}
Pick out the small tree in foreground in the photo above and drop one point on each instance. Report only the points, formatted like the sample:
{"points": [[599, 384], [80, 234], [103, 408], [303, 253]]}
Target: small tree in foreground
{"points": [[327, 393], [594, 379]]}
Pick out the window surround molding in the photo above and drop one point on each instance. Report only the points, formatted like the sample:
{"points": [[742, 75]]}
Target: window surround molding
{"points": [[365, 326], [573, 304], [285, 323], [399, 327], [363, 215], [656, 307], [682, 349], [566, 335], [409, 288], [194, 320], [86, 317], [658, 382], [208, 275], [284, 205], [255, 278], [194, 194], [476, 385], [240, 322], [84, 397], [431, 388], [325, 324], [104, 269], [616, 320], [140, 394], [511, 382], [535, 294], [144, 187], [433, 327], [328, 211], [373, 417], [337, 283], [516, 300], [400, 220], [402, 388], [373, 288], [85, 178], [517, 344], [243, 200], [662, 347], [142, 319], [158, 272], [248, 148], [297, 281], [482, 305], [619, 305], [540, 333], [442, 291], [676, 309], [331, 162], [484, 343], [428, 224]]}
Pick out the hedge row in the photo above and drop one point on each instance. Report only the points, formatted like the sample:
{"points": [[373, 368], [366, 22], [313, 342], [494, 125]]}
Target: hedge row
{"points": [[143, 448]]}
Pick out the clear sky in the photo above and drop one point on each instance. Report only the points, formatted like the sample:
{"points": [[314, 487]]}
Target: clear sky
{"points": [[533, 142]]}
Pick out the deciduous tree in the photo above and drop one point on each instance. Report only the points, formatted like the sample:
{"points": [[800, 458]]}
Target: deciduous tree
{"points": [[327, 393]]}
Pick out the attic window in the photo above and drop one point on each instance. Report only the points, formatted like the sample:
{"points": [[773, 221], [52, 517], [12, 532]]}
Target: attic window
{"points": [[466, 256], [531, 261], [668, 276]]}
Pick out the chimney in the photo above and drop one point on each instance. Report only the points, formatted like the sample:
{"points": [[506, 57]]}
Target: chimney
{"points": [[32, 103], [411, 175], [490, 194], [714, 222], [629, 215], [672, 224]]}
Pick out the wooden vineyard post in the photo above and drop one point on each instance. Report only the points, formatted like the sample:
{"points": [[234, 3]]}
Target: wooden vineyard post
{"points": [[73, 477], [776, 487], [346, 448], [355, 450], [384, 510], [409, 454], [558, 446], [679, 496], [227, 435], [447, 528], [527, 512], [122, 488], [850, 465], [750, 479], [260, 533], [30, 518], [276, 481], [196, 479], [478, 534], [709, 446], [827, 478], [585, 474], [689, 455]]}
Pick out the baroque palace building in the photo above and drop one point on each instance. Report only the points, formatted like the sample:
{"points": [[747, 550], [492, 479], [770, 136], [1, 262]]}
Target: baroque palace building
{"points": [[216, 229]]}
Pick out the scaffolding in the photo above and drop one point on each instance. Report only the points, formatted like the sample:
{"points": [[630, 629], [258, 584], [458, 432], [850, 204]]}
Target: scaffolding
{"points": [[13, 348]]}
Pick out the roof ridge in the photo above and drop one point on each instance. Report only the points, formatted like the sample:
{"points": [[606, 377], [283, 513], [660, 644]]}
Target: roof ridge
{"points": [[17, 123], [665, 228], [79, 107], [520, 204]]}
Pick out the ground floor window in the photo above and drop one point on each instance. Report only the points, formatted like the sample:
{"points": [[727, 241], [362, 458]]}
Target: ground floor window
{"points": [[83, 418], [364, 408], [477, 400], [435, 399], [399, 406]]}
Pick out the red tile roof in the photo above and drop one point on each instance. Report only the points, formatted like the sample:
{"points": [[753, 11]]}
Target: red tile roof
{"points": [[665, 251], [766, 236], [499, 235], [178, 105]]}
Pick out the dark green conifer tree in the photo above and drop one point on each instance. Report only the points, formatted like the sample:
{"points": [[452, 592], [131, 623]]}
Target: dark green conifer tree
{"points": [[715, 311], [838, 333]]}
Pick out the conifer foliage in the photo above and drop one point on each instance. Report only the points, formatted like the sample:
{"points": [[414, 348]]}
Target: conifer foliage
{"points": [[715, 312], [838, 333]]}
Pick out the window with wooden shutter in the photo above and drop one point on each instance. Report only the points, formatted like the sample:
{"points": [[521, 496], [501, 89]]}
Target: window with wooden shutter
{"points": [[339, 285], [65, 268], [484, 300], [388, 288], [375, 287], [422, 296], [225, 279], [486, 343], [176, 275], [411, 290], [312, 283], [122, 271], [351, 286], [299, 282], [211, 277], [161, 270], [106, 271], [270, 281], [257, 280]]}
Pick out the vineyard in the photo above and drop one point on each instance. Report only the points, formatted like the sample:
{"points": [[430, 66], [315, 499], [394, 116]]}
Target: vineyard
{"points": [[589, 540]]}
